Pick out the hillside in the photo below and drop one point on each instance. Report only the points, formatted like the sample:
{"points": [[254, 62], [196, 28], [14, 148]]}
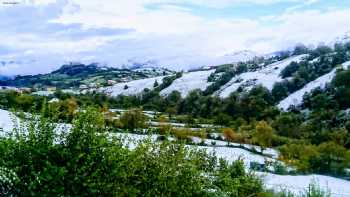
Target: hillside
{"points": [[287, 75], [285, 117], [189, 82], [267, 77], [296, 98], [74, 75]]}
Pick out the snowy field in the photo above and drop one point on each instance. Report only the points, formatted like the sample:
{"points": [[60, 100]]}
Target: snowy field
{"points": [[267, 77], [188, 82], [296, 184], [133, 87], [296, 98], [6, 121]]}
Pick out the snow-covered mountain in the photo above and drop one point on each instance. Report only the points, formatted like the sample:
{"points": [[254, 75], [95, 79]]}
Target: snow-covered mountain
{"points": [[238, 56], [345, 38], [179, 64]]}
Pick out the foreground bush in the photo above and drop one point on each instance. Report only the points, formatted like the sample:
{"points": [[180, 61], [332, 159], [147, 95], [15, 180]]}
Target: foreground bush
{"points": [[85, 162]]}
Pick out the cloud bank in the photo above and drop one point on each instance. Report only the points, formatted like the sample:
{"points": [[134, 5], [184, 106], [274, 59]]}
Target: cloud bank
{"points": [[37, 36]]}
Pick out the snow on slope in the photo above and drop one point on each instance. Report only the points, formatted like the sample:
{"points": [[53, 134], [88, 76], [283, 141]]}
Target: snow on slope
{"points": [[296, 98], [6, 121], [188, 82], [134, 87], [9, 121], [267, 77], [296, 184], [232, 154]]}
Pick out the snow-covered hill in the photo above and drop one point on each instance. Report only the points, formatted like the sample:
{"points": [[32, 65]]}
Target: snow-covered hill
{"points": [[131, 87], [188, 82], [267, 77], [345, 38], [296, 98]]}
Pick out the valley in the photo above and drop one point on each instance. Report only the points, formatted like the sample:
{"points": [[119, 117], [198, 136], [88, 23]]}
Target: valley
{"points": [[282, 118]]}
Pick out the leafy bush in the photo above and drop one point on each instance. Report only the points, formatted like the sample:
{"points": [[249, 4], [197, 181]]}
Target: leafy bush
{"points": [[86, 161], [8, 181], [314, 190], [133, 119]]}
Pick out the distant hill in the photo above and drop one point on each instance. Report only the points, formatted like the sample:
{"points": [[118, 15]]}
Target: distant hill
{"points": [[4, 77], [74, 75]]}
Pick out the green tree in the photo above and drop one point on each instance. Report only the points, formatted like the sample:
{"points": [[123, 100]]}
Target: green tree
{"points": [[86, 161], [155, 83], [263, 135], [133, 119], [279, 90], [334, 158], [287, 124]]}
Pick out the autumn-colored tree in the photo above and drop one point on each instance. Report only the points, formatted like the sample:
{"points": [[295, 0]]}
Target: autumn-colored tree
{"points": [[164, 126], [263, 135], [229, 134], [72, 106]]}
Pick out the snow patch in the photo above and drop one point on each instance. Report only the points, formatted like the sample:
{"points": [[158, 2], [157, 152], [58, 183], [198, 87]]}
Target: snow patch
{"points": [[297, 184], [6, 121], [189, 82], [131, 88]]}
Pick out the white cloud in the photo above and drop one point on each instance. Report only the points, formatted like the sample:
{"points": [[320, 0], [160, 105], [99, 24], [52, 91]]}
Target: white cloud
{"points": [[225, 3], [302, 5], [115, 31]]}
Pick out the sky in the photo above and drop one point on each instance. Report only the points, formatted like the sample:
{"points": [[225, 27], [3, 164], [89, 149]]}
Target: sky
{"points": [[38, 36]]}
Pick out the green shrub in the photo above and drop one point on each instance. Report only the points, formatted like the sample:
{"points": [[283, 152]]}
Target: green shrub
{"points": [[84, 161], [8, 181]]}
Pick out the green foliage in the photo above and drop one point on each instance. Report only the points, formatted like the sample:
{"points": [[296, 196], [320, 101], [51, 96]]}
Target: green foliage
{"points": [[8, 181], [315, 190], [327, 157], [305, 71], [263, 135], [279, 91], [133, 119], [290, 70], [87, 162], [287, 124], [234, 179], [300, 49], [321, 121], [74, 75]]}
